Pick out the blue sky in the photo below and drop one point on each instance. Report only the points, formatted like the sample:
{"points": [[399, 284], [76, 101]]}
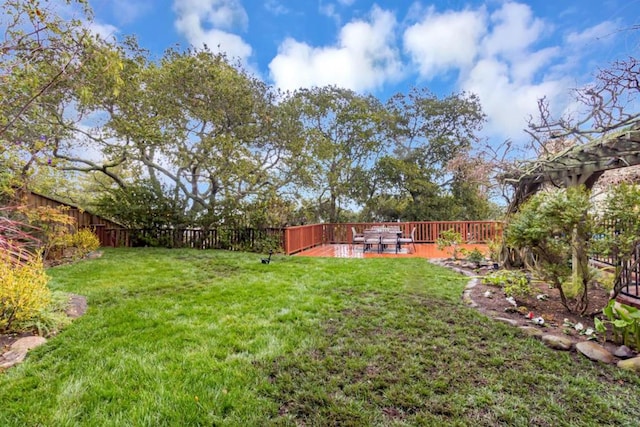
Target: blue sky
{"points": [[510, 53]]}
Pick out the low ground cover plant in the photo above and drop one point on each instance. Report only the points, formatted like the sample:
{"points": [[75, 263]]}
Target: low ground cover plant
{"points": [[185, 337], [514, 283], [625, 322]]}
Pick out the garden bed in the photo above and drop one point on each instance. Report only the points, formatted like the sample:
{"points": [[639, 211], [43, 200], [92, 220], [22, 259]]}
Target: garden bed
{"points": [[491, 300]]}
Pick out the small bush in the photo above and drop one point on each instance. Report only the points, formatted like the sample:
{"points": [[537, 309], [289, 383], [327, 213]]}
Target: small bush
{"points": [[54, 226], [475, 256], [23, 290], [495, 247], [84, 241], [450, 240]]}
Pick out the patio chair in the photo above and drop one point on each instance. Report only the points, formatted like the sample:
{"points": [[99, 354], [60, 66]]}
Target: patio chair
{"points": [[356, 238], [389, 238], [409, 239], [371, 238]]}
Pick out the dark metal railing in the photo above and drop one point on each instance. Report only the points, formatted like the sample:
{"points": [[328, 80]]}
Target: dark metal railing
{"points": [[215, 238]]}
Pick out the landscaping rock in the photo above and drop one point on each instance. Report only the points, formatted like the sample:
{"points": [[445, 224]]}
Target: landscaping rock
{"points": [[594, 351], [27, 343], [466, 297], [531, 331], [18, 351], [94, 255], [557, 343], [624, 352], [77, 306], [630, 364], [507, 321]]}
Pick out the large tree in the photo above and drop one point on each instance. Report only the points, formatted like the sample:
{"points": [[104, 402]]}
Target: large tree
{"points": [[41, 59], [343, 135], [427, 133], [194, 127]]}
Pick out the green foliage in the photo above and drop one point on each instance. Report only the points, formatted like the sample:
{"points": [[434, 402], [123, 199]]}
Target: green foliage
{"points": [[495, 249], [43, 57], [515, 283], [214, 134], [475, 256], [554, 226], [269, 210], [618, 227], [143, 205], [342, 134], [625, 321], [450, 239], [82, 242], [427, 172], [23, 290], [268, 244], [49, 321], [53, 226]]}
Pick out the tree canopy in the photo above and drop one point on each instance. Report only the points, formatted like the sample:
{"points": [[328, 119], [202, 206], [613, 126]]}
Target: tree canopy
{"points": [[192, 138]]}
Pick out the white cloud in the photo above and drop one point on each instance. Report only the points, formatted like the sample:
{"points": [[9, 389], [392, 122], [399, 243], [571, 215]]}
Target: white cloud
{"points": [[208, 21], [329, 10], [493, 56], [507, 102], [106, 32], [441, 42], [601, 31], [514, 31], [364, 57]]}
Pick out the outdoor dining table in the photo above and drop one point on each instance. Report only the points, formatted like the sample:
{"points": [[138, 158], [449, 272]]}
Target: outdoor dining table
{"points": [[381, 237]]}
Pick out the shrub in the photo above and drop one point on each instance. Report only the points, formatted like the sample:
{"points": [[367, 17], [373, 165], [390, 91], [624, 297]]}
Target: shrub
{"points": [[618, 230], [53, 225], [84, 241], [23, 289], [495, 248], [450, 238], [475, 256], [554, 227]]}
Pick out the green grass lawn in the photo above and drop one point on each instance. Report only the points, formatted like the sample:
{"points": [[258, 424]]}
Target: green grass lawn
{"points": [[181, 337]]}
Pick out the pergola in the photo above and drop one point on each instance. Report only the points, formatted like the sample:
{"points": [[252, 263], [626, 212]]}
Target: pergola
{"points": [[583, 165], [578, 165]]}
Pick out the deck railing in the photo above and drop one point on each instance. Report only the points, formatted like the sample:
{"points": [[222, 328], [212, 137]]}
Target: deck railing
{"points": [[303, 237], [307, 236]]}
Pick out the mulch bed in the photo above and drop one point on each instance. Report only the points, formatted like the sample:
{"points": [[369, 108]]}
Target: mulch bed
{"points": [[550, 309]]}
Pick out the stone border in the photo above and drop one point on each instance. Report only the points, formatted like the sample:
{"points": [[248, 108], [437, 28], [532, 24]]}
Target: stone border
{"points": [[77, 306], [623, 357]]}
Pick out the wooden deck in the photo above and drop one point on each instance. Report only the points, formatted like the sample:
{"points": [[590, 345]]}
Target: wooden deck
{"points": [[423, 250]]}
